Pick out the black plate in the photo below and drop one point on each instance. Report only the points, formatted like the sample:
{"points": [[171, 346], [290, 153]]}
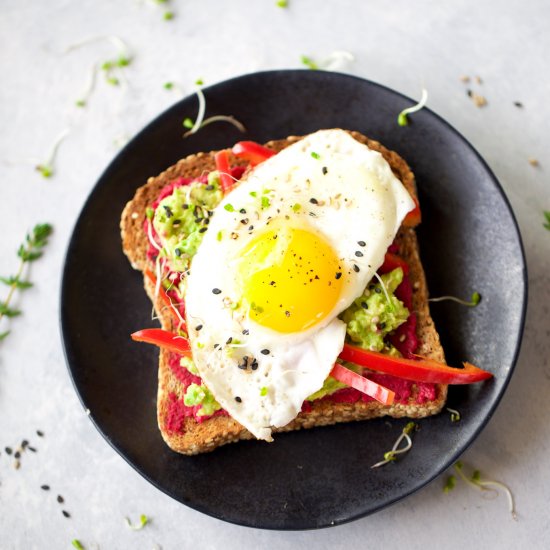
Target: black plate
{"points": [[317, 478]]}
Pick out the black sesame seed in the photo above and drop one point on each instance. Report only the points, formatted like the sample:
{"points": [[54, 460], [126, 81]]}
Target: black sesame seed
{"points": [[364, 305], [238, 399], [175, 223], [216, 346], [313, 201], [378, 290], [382, 325], [24, 443], [356, 268], [203, 229], [242, 211], [244, 221], [216, 291], [338, 275], [229, 340], [60, 499], [518, 104], [206, 221], [287, 313], [66, 514], [312, 214], [168, 211], [265, 352], [246, 332], [210, 187], [325, 170], [177, 252], [8, 450], [254, 365], [358, 253], [185, 206], [361, 243], [198, 327], [32, 449], [45, 487], [469, 93], [251, 228], [17, 454]]}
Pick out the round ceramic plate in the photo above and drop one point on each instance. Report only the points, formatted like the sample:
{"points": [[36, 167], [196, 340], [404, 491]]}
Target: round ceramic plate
{"points": [[315, 478]]}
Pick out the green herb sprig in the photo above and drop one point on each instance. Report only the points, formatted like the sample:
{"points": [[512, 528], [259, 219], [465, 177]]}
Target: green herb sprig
{"points": [[475, 481], [547, 216], [29, 251]]}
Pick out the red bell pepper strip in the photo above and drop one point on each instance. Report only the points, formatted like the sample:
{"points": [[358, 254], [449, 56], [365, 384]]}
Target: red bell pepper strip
{"points": [[163, 339], [251, 151], [167, 301], [423, 370], [393, 261], [222, 166], [364, 385], [414, 217]]}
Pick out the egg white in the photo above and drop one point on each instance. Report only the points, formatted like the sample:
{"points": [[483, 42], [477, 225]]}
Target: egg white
{"points": [[347, 194]]}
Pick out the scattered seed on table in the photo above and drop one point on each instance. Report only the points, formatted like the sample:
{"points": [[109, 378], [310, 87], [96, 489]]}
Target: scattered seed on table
{"points": [[45, 487], [8, 450], [39, 433], [66, 514], [32, 449], [60, 499]]}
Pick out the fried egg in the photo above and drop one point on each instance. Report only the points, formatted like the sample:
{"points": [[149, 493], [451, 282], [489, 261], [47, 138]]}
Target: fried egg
{"points": [[285, 253]]}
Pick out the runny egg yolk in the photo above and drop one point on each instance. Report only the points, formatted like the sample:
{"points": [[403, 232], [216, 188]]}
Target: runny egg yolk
{"points": [[290, 278]]}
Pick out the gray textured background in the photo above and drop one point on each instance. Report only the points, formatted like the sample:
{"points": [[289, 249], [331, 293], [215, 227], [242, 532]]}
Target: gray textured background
{"points": [[403, 45]]}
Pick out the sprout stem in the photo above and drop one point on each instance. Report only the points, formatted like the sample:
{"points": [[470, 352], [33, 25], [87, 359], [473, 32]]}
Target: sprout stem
{"points": [[402, 118], [476, 298]]}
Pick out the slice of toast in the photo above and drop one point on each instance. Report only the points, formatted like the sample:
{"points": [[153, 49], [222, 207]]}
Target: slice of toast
{"points": [[186, 435]]}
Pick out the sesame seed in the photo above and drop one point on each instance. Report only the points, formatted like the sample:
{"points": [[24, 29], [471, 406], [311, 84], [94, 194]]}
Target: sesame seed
{"points": [[177, 252], [210, 187], [287, 313], [313, 201], [66, 514], [356, 268], [242, 211], [203, 229], [216, 291], [60, 499], [229, 340], [361, 243], [45, 487], [364, 305], [17, 454], [358, 253], [238, 399], [265, 352], [32, 449], [338, 275], [24, 443], [198, 327], [325, 170], [246, 332], [8, 450]]}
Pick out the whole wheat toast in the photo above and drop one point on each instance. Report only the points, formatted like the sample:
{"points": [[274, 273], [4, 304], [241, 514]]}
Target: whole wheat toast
{"points": [[192, 437]]}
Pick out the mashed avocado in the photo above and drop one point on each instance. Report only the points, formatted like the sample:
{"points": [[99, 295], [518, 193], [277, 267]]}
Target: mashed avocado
{"points": [[371, 316], [182, 218], [201, 395]]}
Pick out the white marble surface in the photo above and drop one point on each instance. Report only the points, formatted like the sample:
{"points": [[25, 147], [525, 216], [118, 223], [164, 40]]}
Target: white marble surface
{"points": [[404, 45]]}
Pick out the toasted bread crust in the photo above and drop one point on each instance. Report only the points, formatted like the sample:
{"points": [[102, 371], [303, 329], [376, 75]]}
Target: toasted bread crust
{"points": [[195, 437]]}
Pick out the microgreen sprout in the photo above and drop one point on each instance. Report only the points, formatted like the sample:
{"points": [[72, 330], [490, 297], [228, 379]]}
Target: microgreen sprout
{"points": [[335, 61], [547, 216], [168, 15], [402, 118], [77, 544], [309, 63], [281, 4], [111, 67], [455, 415], [89, 88], [385, 290], [450, 484], [263, 391], [46, 169], [315, 155], [476, 482], [143, 520], [474, 300], [390, 456], [29, 251]]}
